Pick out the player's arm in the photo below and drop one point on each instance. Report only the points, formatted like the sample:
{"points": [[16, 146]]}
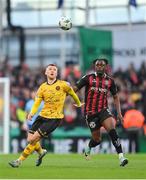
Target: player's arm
{"points": [[118, 107], [69, 90], [81, 83], [75, 97], [114, 92], [37, 102]]}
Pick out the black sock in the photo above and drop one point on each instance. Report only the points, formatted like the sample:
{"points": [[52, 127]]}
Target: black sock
{"points": [[93, 143], [115, 140]]}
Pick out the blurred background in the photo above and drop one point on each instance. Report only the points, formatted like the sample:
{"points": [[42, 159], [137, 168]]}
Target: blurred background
{"points": [[30, 38]]}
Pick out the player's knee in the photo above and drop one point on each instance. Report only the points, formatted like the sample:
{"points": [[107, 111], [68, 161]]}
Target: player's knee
{"points": [[28, 140], [31, 140], [97, 139]]}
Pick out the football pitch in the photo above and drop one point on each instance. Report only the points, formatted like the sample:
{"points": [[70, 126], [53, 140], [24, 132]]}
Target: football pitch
{"points": [[74, 166]]}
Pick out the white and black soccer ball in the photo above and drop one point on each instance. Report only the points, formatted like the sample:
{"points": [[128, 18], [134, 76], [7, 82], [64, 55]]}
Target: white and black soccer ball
{"points": [[65, 23]]}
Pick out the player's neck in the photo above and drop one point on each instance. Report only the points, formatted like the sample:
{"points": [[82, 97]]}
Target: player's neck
{"points": [[100, 74], [51, 81]]}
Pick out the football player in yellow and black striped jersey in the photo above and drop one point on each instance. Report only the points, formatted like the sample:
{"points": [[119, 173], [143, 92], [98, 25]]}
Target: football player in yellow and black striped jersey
{"points": [[53, 93]]}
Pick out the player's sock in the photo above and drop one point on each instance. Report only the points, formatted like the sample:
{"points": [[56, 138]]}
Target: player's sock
{"points": [[121, 155], [93, 143], [38, 148], [27, 151], [115, 140]]}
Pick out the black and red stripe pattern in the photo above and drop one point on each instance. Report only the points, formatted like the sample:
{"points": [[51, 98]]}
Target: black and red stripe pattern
{"points": [[96, 91]]}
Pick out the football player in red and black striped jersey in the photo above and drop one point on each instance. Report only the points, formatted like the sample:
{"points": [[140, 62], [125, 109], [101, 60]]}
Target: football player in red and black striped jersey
{"points": [[98, 85]]}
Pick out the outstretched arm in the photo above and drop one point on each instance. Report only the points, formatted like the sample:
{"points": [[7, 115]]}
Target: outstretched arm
{"points": [[72, 93]]}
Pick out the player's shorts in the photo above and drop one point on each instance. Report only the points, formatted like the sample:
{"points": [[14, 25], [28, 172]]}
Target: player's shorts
{"points": [[94, 122], [44, 126]]}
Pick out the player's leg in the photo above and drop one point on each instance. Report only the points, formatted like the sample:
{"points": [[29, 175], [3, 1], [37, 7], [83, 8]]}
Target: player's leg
{"points": [[45, 130], [38, 126], [28, 150], [94, 141], [38, 147], [41, 152], [109, 125], [94, 125]]}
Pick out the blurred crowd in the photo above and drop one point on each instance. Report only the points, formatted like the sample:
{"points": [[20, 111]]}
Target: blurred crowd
{"points": [[25, 80]]}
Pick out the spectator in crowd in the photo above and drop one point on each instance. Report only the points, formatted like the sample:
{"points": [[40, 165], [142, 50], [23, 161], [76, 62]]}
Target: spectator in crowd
{"points": [[133, 123], [132, 75], [142, 72], [71, 72]]}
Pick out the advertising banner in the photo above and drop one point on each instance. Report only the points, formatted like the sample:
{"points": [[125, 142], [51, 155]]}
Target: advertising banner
{"points": [[120, 47]]}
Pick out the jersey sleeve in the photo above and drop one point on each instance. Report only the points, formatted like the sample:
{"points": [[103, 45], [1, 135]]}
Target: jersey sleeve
{"points": [[82, 82], [67, 86], [39, 93], [38, 100], [113, 88], [69, 90]]}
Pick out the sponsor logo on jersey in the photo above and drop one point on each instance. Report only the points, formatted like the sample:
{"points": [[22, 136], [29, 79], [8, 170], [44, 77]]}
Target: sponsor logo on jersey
{"points": [[99, 89]]}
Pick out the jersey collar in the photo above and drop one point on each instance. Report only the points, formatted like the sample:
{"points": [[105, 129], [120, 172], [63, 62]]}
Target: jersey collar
{"points": [[104, 75], [52, 83]]}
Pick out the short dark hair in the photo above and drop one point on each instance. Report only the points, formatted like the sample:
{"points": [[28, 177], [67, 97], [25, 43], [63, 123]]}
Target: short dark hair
{"points": [[100, 59], [52, 65]]}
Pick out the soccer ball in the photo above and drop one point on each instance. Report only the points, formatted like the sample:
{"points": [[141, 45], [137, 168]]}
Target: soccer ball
{"points": [[65, 23]]}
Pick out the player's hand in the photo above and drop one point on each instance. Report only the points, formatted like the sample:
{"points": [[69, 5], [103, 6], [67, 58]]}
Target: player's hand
{"points": [[29, 117], [120, 118], [79, 105]]}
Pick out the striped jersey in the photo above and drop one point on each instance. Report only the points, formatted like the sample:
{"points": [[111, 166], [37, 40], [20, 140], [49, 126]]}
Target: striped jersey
{"points": [[97, 89]]}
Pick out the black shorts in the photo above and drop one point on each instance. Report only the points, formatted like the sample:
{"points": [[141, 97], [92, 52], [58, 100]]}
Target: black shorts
{"points": [[94, 122], [44, 126]]}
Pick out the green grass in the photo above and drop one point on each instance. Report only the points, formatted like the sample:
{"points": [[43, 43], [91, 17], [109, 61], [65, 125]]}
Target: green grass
{"points": [[74, 166]]}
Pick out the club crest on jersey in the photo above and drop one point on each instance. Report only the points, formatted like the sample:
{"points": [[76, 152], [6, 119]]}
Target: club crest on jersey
{"points": [[57, 88], [92, 124]]}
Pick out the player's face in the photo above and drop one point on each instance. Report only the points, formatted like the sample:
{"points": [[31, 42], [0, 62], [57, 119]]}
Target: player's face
{"points": [[100, 67], [51, 72]]}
